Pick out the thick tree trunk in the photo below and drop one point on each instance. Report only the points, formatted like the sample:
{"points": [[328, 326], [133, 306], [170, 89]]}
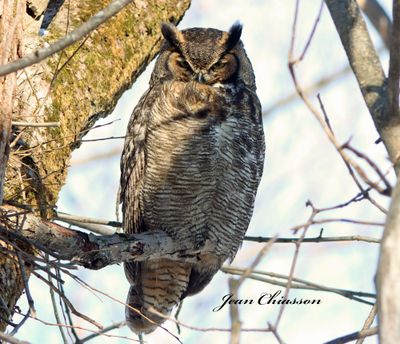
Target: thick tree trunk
{"points": [[73, 88]]}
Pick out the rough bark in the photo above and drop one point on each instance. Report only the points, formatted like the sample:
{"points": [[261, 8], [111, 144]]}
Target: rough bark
{"points": [[74, 88], [89, 250]]}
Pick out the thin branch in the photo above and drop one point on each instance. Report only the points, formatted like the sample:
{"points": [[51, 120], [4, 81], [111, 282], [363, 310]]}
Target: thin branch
{"points": [[294, 262], [54, 305], [318, 239], [68, 303], [39, 55], [80, 281], [102, 139], [81, 328], [25, 277], [311, 35], [32, 124], [376, 168], [236, 324], [98, 229], [354, 336], [356, 222], [256, 261], [84, 219], [275, 333], [8, 339], [105, 330], [368, 322]]}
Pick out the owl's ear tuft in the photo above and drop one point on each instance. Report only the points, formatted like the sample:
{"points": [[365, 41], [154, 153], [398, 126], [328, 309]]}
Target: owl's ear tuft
{"points": [[234, 35], [172, 34]]}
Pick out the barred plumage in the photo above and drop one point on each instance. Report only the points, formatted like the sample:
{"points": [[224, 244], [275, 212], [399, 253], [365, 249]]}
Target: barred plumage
{"points": [[191, 164]]}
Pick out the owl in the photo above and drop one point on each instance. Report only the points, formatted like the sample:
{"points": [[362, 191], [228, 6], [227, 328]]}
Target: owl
{"points": [[191, 164]]}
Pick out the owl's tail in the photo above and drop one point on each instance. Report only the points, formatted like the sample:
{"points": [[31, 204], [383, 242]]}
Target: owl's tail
{"points": [[158, 284]]}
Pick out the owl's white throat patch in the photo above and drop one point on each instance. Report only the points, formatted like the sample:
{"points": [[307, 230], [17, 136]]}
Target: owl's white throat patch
{"points": [[218, 85], [227, 87]]}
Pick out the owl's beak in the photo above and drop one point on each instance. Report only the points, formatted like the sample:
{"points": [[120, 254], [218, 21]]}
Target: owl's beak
{"points": [[200, 78]]}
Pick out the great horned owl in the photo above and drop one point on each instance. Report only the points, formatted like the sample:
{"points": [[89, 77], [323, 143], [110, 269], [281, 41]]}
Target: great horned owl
{"points": [[191, 164]]}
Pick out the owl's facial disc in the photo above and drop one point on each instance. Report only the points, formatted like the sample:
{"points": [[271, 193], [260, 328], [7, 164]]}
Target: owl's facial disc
{"points": [[206, 56]]}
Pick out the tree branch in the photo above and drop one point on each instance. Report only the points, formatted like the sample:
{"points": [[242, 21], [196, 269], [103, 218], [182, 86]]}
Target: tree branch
{"points": [[89, 250], [368, 70], [39, 55]]}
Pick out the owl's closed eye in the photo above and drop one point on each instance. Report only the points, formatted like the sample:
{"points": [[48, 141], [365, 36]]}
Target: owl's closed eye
{"points": [[200, 63]]}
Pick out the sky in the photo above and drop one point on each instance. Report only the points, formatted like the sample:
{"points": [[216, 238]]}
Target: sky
{"points": [[301, 165]]}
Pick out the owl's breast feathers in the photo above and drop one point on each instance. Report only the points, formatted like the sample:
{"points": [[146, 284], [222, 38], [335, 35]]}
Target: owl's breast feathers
{"points": [[205, 152]]}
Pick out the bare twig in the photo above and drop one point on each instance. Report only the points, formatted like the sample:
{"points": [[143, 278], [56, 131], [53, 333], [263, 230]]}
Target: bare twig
{"points": [[39, 55], [317, 239], [25, 277], [83, 329], [294, 261], [381, 175], [356, 222], [354, 336], [311, 35], [236, 324], [84, 219], [80, 281], [105, 330], [67, 302], [32, 124], [54, 305], [368, 322], [256, 261], [274, 331], [99, 229], [12, 340], [102, 139]]}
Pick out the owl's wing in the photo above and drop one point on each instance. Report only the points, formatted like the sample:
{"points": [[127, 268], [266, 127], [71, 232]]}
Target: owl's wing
{"points": [[133, 164]]}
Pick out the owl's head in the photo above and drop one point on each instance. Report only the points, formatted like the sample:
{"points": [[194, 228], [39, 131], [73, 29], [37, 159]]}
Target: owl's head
{"points": [[203, 55]]}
